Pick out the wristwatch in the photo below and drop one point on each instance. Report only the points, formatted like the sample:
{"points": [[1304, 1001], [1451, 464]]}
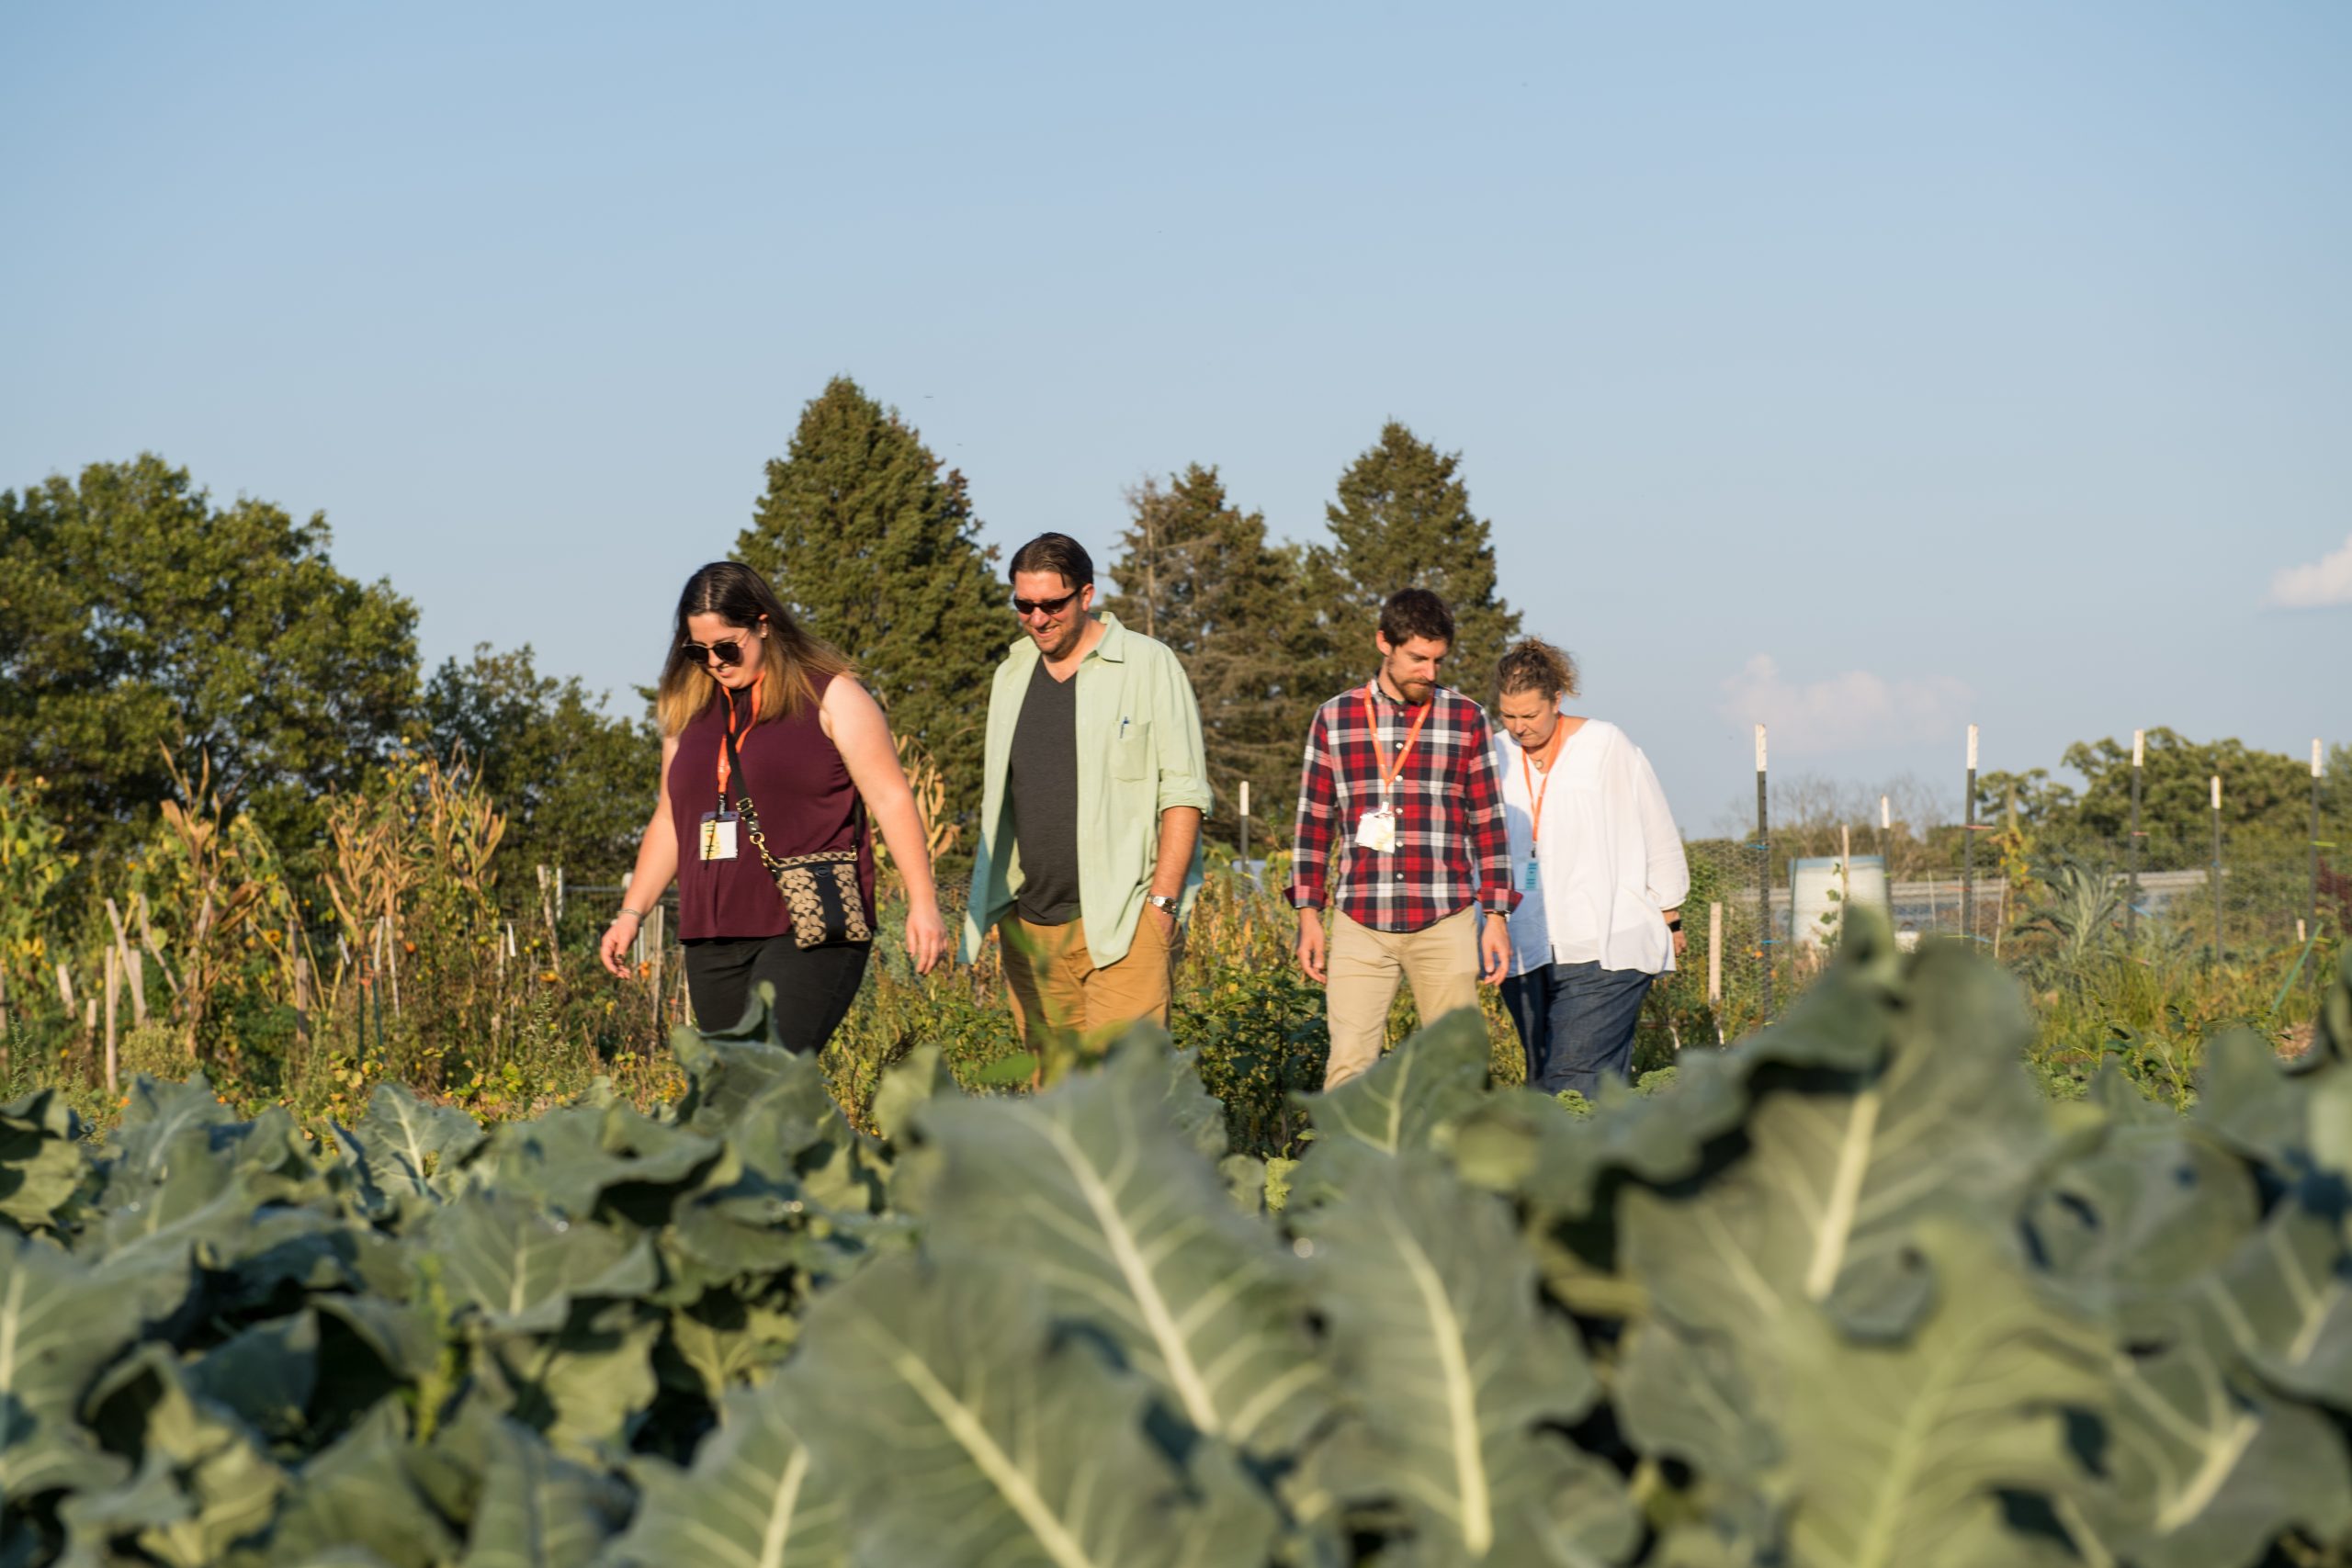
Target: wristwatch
{"points": [[1161, 901]]}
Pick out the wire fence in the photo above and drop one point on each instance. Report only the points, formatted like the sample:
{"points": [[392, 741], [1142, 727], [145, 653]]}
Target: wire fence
{"points": [[1761, 923]]}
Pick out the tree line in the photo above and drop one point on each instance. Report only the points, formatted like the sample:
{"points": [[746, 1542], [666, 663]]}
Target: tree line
{"points": [[142, 622]]}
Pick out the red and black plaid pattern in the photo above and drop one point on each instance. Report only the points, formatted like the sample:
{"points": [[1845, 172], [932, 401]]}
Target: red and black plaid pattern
{"points": [[1449, 814]]}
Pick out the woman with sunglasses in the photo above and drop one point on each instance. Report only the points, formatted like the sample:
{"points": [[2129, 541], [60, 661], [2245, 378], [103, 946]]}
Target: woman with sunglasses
{"points": [[751, 706]]}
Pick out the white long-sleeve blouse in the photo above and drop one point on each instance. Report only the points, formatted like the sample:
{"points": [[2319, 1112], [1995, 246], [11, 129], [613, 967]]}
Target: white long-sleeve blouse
{"points": [[1610, 859]]}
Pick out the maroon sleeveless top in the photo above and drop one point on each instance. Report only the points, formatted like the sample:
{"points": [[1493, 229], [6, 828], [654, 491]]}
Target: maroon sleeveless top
{"points": [[800, 789]]}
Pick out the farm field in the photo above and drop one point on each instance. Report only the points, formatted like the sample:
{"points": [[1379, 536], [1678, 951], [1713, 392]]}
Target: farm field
{"points": [[450, 1249], [1854, 1292]]}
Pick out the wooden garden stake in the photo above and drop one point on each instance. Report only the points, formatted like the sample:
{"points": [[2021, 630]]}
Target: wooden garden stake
{"points": [[2218, 954], [1968, 844], [657, 918], [114, 985], [2131, 910], [132, 973], [1763, 885], [301, 992]]}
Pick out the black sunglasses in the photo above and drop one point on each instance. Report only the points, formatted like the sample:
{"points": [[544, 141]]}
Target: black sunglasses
{"points": [[1025, 607], [729, 651]]}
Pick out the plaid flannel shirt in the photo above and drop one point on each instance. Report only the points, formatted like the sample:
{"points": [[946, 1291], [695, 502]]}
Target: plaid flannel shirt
{"points": [[1449, 806]]}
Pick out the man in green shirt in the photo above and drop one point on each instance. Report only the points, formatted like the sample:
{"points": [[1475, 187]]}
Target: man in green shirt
{"points": [[1090, 814]]}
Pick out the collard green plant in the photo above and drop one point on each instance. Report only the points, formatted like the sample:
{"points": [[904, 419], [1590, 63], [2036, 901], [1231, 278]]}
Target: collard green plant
{"points": [[1846, 1295]]}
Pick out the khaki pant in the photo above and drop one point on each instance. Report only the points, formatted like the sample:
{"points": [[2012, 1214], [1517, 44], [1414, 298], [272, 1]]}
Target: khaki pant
{"points": [[1363, 967], [1059, 995]]}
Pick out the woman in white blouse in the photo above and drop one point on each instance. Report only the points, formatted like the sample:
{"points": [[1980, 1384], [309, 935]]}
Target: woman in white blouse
{"points": [[1598, 866]]}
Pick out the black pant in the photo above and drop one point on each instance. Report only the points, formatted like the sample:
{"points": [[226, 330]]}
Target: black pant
{"points": [[814, 985]]}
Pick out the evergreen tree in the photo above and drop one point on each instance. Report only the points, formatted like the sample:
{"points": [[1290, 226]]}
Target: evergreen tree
{"points": [[876, 550], [1195, 572], [1402, 519]]}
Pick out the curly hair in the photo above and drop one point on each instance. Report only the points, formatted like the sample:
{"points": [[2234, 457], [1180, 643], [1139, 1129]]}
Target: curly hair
{"points": [[1535, 665]]}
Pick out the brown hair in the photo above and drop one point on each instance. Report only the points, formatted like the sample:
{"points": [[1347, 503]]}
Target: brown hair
{"points": [[1055, 553], [797, 666], [1536, 666], [1415, 612]]}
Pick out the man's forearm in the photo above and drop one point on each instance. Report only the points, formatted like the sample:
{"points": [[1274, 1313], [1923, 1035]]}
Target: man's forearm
{"points": [[1180, 831]]}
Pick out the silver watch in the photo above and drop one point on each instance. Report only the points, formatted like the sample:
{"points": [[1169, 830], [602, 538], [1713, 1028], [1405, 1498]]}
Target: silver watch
{"points": [[1163, 902]]}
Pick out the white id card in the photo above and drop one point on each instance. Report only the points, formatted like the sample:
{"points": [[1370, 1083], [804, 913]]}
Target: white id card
{"points": [[718, 835], [1377, 830]]}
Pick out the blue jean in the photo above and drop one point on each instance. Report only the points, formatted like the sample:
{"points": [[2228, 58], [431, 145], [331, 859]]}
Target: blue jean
{"points": [[1575, 1021]]}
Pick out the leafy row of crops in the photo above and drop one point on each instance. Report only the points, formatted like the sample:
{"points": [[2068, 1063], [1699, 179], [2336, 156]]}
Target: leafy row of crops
{"points": [[1852, 1292]]}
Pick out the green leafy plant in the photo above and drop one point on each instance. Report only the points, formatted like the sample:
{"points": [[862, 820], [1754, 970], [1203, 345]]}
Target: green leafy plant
{"points": [[1850, 1294]]}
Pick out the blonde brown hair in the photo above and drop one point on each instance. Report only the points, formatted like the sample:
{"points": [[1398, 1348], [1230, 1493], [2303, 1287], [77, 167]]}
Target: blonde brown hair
{"points": [[797, 665], [1536, 666]]}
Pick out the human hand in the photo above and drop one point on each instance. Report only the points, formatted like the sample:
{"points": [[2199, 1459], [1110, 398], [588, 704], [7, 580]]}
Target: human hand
{"points": [[1167, 922], [1310, 945], [1494, 951], [926, 939], [1681, 943], [616, 940]]}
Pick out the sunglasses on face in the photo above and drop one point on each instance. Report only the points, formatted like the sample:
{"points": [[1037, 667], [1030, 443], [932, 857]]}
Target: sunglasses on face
{"points": [[728, 651], [1050, 608]]}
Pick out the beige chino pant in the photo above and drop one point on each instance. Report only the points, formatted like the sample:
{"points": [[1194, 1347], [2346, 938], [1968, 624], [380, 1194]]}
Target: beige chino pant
{"points": [[1363, 967], [1059, 997]]}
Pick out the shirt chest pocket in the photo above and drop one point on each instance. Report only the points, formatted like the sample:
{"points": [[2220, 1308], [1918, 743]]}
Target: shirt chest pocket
{"points": [[1131, 752], [1434, 766]]}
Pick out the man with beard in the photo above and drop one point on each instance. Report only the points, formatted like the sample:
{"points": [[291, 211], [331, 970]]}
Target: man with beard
{"points": [[1400, 833], [1090, 811]]}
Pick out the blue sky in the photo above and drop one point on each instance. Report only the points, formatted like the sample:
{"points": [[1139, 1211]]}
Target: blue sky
{"points": [[1868, 369]]}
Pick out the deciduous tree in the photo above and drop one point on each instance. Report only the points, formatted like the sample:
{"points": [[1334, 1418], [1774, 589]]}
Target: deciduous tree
{"points": [[136, 617], [575, 782]]}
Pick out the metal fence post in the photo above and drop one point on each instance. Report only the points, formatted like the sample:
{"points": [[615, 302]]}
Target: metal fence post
{"points": [[2131, 910], [1968, 845], [2218, 952], [1763, 885], [1715, 966]]}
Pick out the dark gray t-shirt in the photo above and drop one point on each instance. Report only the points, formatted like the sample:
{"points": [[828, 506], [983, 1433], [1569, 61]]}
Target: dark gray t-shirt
{"points": [[1044, 799]]}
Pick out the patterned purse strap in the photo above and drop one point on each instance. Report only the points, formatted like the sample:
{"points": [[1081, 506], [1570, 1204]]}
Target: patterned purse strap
{"points": [[752, 817]]}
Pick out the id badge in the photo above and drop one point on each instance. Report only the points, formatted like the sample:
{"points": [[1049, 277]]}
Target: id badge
{"points": [[1377, 830], [718, 835], [1531, 875]]}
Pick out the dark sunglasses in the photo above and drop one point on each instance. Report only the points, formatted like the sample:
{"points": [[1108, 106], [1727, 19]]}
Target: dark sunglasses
{"points": [[729, 651], [1026, 608]]}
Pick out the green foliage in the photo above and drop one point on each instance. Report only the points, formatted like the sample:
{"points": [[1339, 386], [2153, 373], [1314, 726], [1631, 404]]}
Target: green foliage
{"points": [[877, 552], [33, 866], [137, 617], [1196, 572], [2260, 790], [575, 782], [1850, 1293]]}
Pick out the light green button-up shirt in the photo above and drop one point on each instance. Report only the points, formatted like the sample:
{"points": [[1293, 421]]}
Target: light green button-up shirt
{"points": [[1138, 753]]}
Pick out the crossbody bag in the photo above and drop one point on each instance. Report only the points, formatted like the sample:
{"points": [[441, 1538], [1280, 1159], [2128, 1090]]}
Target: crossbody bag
{"points": [[821, 890]]}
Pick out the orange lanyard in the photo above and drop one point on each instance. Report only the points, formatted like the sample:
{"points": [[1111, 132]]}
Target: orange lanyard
{"points": [[1388, 771], [727, 752], [1551, 754]]}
